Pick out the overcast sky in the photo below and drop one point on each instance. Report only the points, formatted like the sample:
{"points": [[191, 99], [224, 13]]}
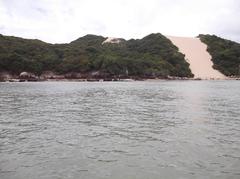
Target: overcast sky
{"points": [[59, 21]]}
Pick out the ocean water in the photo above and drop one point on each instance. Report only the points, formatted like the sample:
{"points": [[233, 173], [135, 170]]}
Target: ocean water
{"points": [[120, 130]]}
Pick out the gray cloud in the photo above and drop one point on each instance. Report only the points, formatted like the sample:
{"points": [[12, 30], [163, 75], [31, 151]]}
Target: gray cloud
{"points": [[59, 21]]}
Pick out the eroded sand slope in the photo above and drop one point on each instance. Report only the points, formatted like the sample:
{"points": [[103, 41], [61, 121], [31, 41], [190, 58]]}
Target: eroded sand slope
{"points": [[197, 56]]}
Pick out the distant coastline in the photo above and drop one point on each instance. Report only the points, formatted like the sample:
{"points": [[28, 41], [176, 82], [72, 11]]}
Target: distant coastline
{"points": [[77, 77], [94, 58]]}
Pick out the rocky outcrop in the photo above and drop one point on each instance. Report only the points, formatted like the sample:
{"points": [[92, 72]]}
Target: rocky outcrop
{"points": [[28, 76], [73, 75], [113, 40], [4, 76]]}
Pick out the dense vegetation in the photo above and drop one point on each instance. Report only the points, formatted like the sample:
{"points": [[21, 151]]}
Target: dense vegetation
{"points": [[17, 55], [225, 54], [151, 56]]}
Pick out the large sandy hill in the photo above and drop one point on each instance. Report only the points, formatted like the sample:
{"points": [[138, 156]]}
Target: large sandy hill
{"points": [[197, 56]]}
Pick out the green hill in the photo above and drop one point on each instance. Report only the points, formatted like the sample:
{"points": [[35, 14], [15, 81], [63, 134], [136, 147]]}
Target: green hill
{"points": [[149, 57], [225, 54]]}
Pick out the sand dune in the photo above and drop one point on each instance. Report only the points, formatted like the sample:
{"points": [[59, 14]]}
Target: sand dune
{"points": [[197, 56]]}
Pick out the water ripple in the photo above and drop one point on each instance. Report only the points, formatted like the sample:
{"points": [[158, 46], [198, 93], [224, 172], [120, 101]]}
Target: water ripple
{"points": [[167, 129]]}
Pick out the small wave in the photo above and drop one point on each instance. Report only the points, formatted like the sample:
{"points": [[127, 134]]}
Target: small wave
{"points": [[107, 161]]}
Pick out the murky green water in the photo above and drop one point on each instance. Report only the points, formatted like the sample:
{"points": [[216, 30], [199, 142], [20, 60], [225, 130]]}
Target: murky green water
{"points": [[111, 130]]}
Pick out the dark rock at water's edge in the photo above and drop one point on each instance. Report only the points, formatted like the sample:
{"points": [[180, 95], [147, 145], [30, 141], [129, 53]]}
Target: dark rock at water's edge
{"points": [[91, 77], [6, 76], [28, 76]]}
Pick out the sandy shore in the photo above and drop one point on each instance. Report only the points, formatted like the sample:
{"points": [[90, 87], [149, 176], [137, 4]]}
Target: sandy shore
{"points": [[197, 56]]}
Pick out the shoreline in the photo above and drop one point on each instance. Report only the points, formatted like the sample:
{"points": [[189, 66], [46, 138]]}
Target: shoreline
{"points": [[17, 80]]}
